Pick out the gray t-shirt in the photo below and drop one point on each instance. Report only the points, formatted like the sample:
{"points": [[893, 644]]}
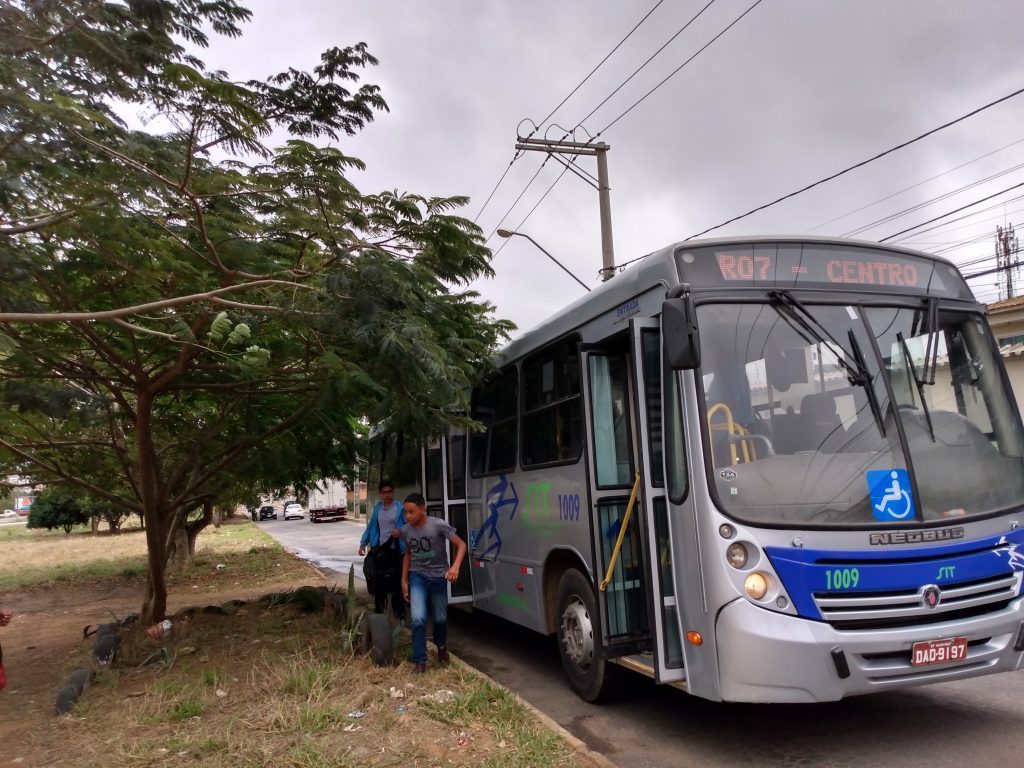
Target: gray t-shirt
{"points": [[427, 545], [386, 519]]}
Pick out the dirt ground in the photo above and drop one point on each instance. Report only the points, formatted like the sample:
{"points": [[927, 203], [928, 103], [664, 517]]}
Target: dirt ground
{"points": [[269, 685], [45, 637]]}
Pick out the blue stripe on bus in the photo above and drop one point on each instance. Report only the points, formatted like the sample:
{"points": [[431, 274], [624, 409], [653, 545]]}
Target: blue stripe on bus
{"points": [[806, 571]]}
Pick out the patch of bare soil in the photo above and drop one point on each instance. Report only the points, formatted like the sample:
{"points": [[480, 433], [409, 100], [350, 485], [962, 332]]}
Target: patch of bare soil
{"points": [[43, 642], [269, 683]]}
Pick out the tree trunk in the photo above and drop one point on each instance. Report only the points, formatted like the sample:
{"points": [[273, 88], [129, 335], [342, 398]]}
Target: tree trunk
{"points": [[218, 517], [156, 514], [154, 607], [179, 553], [182, 546], [95, 522], [196, 526]]}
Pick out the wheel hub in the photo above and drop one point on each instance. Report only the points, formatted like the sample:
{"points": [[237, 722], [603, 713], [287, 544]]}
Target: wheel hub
{"points": [[578, 633]]}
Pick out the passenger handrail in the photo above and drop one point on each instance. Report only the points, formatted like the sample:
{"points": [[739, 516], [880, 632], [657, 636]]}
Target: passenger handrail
{"points": [[732, 430], [622, 533]]}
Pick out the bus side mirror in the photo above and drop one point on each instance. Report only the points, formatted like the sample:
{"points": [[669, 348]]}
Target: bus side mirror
{"points": [[679, 330]]}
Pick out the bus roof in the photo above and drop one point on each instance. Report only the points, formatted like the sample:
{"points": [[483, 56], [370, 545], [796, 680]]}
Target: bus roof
{"points": [[660, 267]]}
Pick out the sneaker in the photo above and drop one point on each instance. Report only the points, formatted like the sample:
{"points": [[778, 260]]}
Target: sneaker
{"points": [[442, 655], [419, 668]]}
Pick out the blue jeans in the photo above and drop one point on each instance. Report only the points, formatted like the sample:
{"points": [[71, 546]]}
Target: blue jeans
{"points": [[420, 587]]}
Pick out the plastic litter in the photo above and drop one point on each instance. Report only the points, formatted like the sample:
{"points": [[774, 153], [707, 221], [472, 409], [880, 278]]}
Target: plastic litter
{"points": [[397, 693], [441, 697], [400, 710], [356, 714], [462, 741], [157, 631], [351, 727]]}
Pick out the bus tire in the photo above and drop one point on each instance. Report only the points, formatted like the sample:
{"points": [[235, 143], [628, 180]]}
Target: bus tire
{"points": [[378, 639], [579, 638]]}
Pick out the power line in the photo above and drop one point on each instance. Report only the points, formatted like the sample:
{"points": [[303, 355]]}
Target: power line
{"points": [[857, 165], [535, 205], [932, 201], [947, 226], [913, 186], [950, 213], [613, 50], [649, 60], [560, 104], [676, 70], [637, 103]]}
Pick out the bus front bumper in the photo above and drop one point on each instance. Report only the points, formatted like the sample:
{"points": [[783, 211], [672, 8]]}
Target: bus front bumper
{"points": [[765, 656]]}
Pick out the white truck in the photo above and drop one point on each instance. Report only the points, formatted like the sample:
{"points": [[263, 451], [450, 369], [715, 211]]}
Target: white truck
{"points": [[327, 500]]}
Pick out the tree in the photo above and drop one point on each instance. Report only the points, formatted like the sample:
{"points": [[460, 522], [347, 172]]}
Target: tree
{"points": [[188, 309], [57, 509]]}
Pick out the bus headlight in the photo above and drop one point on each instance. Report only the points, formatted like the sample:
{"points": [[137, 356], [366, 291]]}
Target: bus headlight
{"points": [[756, 585], [736, 555]]}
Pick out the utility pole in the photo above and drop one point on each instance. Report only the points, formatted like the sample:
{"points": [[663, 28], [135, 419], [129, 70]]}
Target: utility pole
{"points": [[1006, 255], [600, 151]]}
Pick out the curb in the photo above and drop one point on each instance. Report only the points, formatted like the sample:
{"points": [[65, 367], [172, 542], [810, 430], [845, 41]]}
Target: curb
{"points": [[549, 722]]}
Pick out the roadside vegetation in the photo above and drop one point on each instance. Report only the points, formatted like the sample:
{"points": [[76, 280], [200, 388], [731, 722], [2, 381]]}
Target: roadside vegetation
{"points": [[30, 558], [273, 686], [199, 306], [249, 675]]}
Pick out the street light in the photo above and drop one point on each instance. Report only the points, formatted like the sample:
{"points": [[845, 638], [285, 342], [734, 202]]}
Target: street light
{"points": [[507, 234]]}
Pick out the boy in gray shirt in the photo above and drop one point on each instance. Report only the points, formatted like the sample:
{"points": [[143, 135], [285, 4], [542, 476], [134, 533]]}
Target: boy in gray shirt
{"points": [[425, 575]]}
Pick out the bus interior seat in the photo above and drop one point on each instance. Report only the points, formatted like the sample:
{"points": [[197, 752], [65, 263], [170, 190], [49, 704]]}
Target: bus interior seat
{"points": [[821, 426]]}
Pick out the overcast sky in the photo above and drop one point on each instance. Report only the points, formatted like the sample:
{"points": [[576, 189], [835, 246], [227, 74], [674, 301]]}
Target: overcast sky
{"points": [[795, 91]]}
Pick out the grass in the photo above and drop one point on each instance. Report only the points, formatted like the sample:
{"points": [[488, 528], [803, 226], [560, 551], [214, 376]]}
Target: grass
{"points": [[246, 699], [44, 558]]}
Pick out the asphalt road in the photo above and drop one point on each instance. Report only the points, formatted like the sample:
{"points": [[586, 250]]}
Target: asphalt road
{"points": [[970, 724]]}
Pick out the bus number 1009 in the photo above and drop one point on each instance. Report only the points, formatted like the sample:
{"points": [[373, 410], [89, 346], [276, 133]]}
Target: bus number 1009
{"points": [[841, 578], [569, 507]]}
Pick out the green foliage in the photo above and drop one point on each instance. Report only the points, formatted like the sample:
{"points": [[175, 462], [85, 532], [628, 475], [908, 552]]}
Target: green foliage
{"points": [[54, 509], [245, 309]]}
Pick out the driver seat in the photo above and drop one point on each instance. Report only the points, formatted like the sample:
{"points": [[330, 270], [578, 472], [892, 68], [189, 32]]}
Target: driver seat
{"points": [[821, 421]]}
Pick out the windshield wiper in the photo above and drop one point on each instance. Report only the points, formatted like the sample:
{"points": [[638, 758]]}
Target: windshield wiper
{"points": [[869, 385], [929, 325], [809, 323], [857, 374], [918, 381]]}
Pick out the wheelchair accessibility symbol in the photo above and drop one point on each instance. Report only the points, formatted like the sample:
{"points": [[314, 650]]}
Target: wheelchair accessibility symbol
{"points": [[890, 495]]}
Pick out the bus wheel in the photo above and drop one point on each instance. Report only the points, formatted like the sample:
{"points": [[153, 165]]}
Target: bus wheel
{"points": [[579, 637]]}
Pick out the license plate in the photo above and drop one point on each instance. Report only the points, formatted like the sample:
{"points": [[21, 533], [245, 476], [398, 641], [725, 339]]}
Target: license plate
{"points": [[939, 651]]}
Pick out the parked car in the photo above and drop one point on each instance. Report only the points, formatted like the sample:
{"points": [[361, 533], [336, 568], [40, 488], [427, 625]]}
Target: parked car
{"points": [[293, 511], [9, 513], [268, 513]]}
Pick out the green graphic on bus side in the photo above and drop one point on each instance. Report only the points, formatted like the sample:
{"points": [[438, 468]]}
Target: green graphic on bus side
{"points": [[841, 578], [538, 516], [513, 601]]}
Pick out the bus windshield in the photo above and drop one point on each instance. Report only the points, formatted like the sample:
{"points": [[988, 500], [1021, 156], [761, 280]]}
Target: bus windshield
{"points": [[805, 405]]}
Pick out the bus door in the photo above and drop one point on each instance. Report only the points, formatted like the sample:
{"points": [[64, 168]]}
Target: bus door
{"points": [[611, 421], [445, 491], [648, 377]]}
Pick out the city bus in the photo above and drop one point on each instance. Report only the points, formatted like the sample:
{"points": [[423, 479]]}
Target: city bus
{"points": [[760, 470]]}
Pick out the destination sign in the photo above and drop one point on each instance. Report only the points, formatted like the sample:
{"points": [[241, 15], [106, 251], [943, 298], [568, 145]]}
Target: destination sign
{"points": [[784, 265]]}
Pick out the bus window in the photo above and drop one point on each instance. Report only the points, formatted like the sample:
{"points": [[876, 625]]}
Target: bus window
{"points": [[495, 405], [407, 462], [456, 466], [610, 413], [435, 480], [552, 406]]}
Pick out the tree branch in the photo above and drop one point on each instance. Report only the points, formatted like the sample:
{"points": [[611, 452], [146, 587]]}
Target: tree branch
{"points": [[34, 223], [111, 314]]}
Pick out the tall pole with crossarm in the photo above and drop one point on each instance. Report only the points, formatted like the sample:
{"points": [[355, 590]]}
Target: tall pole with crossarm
{"points": [[600, 151]]}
